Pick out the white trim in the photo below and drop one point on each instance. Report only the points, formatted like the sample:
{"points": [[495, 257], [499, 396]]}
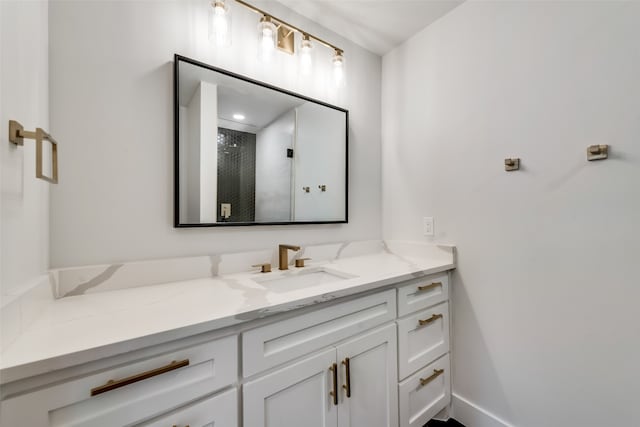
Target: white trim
{"points": [[471, 415]]}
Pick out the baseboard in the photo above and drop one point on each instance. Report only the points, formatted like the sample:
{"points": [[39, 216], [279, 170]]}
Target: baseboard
{"points": [[471, 415]]}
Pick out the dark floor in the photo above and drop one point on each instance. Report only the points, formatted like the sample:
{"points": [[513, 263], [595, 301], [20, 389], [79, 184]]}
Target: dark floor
{"points": [[450, 423]]}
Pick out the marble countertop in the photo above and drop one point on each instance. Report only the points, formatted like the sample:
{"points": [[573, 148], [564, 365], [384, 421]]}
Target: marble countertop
{"points": [[89, 326]]}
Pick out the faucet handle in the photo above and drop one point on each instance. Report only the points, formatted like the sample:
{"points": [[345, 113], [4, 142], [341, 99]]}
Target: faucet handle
{"points": [[265, 268], [300, 261]]}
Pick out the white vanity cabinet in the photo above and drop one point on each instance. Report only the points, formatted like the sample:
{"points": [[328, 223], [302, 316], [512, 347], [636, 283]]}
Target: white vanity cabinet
{"points": [[352, 384], [423, 349], [350, 380], [375, 359]]}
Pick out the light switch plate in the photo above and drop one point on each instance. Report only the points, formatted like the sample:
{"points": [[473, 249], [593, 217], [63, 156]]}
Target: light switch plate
{"points": [[427, 225]]}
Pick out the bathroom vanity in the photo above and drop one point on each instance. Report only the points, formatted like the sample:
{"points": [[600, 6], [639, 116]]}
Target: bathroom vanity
{"points": [[359, 337]]}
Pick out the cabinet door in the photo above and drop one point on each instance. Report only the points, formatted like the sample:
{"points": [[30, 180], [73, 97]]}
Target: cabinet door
{"points": [[368, 370], [298, 395]]}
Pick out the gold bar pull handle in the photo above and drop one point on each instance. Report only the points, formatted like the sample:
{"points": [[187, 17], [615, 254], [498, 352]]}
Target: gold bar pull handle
{"points": [[114, 384], [334, 373], [436, 374], [347, 368], [17, 134], [429, 286], [431, 319]]}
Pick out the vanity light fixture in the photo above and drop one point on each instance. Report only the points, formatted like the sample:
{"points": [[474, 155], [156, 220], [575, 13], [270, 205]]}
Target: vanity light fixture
{"points": [[306, 49], [338, 68], [220, 23], [274, 32], [238, 116], [266, 37]]}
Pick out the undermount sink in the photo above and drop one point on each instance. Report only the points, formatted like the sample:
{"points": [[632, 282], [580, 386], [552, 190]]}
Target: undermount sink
{"points": [[303, 279]]}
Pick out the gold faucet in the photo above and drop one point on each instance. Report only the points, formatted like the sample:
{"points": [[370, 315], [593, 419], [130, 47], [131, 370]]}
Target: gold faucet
{"points": [[282, 255]]}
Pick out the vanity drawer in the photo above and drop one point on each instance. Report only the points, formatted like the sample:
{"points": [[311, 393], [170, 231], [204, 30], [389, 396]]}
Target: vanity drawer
{"points": [[422, 337], [280, 342], [153, 386], [219, 411], [425, 393], [422, 293]]}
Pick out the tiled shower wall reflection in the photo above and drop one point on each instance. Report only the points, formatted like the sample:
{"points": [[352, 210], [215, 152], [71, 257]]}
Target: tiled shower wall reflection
{"points": [[237, 174]]}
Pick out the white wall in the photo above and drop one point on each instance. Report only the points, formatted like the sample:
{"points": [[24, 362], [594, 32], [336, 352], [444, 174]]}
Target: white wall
{"points": [[546, 294], [192, 151], [208, 153], [111, 106], [273, 169], [319, 138], [24, 220]]}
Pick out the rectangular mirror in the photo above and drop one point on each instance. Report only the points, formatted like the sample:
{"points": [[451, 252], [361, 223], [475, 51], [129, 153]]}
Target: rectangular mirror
{"points": [[247, 153]]}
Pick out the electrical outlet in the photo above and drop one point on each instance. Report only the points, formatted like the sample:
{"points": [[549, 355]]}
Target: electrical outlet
{"points": [[427, 225]]}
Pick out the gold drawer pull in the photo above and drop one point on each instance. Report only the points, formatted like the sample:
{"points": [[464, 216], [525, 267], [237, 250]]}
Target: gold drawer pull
{"points": [[429, 286], [334, 393], [436, 374], [347, 366], [114, 384], [433, 318]]}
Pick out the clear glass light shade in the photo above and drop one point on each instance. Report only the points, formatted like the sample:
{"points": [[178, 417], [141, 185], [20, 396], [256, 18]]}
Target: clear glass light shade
{"points": [[220, 23], [267, 34], [338, 69], [306, 58]]}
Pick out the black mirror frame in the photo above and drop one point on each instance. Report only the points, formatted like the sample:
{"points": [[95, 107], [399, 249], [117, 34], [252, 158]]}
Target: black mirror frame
{"points": [[176, 149]]}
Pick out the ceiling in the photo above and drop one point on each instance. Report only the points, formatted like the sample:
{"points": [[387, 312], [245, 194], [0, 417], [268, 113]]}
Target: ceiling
{"points": [[376, 25], [258, 104]]}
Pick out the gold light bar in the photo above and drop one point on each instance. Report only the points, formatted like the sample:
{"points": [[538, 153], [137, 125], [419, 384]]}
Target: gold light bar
{"points": [[285, 45]]}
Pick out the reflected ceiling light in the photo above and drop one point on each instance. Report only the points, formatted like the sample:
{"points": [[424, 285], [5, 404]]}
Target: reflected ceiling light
{"points": [[238, 116], [220, 23]]}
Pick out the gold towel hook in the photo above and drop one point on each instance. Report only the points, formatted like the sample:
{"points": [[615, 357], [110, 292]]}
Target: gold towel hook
{"points": [[17, 134]]}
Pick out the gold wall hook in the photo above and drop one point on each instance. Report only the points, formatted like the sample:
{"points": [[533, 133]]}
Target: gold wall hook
{"points": [[511, 164], [597, 152], [17, 134]]}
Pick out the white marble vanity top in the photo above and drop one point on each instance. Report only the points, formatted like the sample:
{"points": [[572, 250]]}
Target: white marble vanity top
{"points": [[89, 323]]}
